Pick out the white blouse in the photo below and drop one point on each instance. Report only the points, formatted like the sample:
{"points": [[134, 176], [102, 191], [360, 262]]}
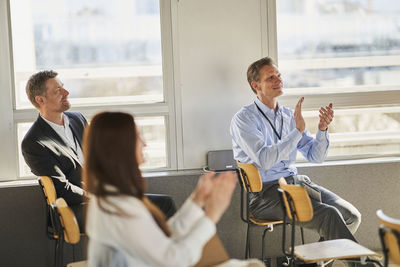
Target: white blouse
{"points": [[139, 239]]}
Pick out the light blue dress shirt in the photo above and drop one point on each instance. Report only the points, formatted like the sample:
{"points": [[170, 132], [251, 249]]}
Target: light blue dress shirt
{"points": [[254, 141]]}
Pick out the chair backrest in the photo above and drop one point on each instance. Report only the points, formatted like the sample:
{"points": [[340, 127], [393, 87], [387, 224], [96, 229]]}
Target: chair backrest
{"points": [[389, 228], [252, 177], [48, 189], [213, 253], [299, 199], [68, 222]]}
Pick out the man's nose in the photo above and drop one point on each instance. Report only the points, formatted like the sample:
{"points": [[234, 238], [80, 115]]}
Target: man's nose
{"points": [[66, 92]]}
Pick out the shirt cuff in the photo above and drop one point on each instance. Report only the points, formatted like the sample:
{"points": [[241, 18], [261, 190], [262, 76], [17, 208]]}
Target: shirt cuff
{"points": [[322, 135], [191, 209], [200, 234], [203, 230], [77, 190], [184, 218]]}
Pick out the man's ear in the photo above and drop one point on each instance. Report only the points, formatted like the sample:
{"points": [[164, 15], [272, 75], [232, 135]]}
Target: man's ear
{"points": [[254, 85], [39, 99]]}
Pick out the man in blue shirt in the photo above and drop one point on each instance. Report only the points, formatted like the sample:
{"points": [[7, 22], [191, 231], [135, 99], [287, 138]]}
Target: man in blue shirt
{"points": [[269, 135]]}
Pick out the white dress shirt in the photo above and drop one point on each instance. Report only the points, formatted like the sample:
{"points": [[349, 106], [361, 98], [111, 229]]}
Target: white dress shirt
{"points": [[65, 132], [139, 239], [255, 141]]}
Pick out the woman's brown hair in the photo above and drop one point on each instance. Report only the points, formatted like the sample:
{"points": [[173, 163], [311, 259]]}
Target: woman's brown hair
{"points": [[109, 148]]}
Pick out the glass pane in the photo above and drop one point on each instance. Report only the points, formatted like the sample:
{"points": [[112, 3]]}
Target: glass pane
{"points": [[153, 133], [338, 43], [99, 48], [22, 129], [339, 46], [361, 132]]}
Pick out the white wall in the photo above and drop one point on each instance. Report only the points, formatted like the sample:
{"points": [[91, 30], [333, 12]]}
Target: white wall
{"points": [[218, 40]]}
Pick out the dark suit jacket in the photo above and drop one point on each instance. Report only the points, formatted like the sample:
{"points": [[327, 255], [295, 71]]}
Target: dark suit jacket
{"points": [[48, 155]]}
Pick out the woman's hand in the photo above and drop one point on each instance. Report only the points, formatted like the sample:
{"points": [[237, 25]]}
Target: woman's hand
{"points": [[203, 189], [220, 197]]}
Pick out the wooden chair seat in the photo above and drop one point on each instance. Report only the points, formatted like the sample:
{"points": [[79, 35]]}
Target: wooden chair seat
{"points": [[332, 250], [263, 222]]}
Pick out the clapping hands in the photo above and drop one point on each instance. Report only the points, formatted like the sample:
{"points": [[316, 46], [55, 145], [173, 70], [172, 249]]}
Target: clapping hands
{"points": [[214, 193], [325, 117], [298, 117]]}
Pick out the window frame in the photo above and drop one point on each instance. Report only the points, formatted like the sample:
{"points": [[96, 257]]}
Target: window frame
{"points": [[9, 162], [352, 97]]}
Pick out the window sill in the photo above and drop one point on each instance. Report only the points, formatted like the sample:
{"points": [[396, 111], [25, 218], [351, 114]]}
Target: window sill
{"points": [[350, 162], [19, 183], [33, 181]]}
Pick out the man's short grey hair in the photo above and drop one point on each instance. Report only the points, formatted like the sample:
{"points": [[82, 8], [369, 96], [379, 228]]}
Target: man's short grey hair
{"points": [[253, 72], [36, 85]]}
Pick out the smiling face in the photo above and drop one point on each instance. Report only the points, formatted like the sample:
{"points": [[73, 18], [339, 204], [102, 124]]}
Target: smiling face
{"points": [[269, 84], [55, 99]]}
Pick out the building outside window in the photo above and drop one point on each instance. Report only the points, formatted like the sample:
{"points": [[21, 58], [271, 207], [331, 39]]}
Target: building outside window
{"points": [[108, 55], [346, 52]]}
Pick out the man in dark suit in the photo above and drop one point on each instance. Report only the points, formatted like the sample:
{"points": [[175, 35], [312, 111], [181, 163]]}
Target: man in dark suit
{"points": [[53, 145]]}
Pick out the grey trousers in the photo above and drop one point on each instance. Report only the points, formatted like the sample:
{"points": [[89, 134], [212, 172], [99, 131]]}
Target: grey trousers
{"points": [[334, 217]]}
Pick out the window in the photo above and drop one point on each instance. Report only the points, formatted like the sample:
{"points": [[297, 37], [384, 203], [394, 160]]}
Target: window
{"points": [[153, 132], [108, 55], [345, 52], [105, 52]]}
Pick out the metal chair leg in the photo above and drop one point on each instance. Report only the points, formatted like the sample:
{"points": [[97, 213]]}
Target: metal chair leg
{"points": [[61, 253], [56, 252], [302, 235], [247, 252], [263, 243]]}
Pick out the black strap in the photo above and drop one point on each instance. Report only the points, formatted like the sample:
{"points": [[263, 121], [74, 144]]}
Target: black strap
{"points": [[270, 123], [76, 142]]}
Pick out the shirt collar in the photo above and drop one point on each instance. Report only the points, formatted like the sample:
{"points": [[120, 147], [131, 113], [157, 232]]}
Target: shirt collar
{"points": [[55, 125], [268, 111]]}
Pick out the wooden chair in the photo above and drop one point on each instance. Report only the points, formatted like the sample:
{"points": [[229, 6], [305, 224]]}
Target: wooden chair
{"points": [[213, 253], [298, 208], [389, 233], [55, 226], [67, 228], [49, 193], [250, 182]]}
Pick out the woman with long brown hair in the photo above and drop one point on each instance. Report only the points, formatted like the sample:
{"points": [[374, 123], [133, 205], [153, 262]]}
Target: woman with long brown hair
{"points": [[123, 222]]}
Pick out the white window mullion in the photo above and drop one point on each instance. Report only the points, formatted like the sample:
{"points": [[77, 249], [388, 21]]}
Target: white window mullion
{"points": [[168, 78], [8, 155], [271, 30], [177, 132]]}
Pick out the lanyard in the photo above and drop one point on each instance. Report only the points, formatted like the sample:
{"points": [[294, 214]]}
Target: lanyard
{"points": [[75, 149], [270, 123]]}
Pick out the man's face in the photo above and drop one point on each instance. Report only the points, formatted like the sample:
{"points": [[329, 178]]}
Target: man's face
{"points": [[269, 83], [56, 97]]}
